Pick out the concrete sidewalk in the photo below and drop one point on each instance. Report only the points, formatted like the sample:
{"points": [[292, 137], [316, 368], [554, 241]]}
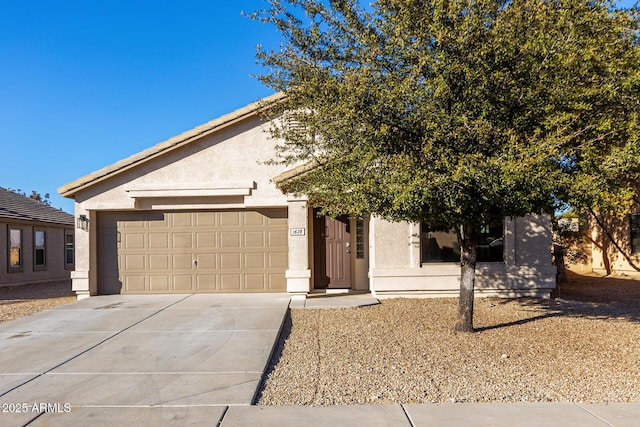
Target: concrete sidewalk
{"points": [[428, 415], [437, 415], [335, 299]]}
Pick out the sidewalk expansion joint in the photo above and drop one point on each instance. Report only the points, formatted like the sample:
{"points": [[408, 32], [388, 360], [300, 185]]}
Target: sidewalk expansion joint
{"points": [[406, 414], [593, 415]]}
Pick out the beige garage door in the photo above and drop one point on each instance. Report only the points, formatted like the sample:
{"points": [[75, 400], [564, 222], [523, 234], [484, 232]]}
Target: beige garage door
{"points": [[192, 252]]}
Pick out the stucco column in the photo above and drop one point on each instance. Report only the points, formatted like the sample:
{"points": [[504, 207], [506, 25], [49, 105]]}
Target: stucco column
{"points": [[298, 273], [414, 245], [509, 241], [82, 240]]}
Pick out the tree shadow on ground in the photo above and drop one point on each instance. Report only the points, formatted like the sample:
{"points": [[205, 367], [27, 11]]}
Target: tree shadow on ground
{"points": [[590, 297], [517, 322]]}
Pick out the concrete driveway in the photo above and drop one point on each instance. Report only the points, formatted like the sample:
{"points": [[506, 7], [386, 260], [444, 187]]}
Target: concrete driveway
{"points": [[145, 360]]}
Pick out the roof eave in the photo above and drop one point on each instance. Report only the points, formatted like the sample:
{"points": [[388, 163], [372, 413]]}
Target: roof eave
{"points": [[71, 189]]}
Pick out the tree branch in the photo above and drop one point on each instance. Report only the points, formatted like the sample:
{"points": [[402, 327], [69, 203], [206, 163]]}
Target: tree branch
{"points": [[617, 246]]}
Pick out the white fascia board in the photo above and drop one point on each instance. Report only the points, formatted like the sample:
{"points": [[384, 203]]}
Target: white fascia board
{"points": [[172, 190]]}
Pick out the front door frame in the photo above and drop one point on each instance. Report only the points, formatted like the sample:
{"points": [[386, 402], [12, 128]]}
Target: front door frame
{"points": [[321, 280]]}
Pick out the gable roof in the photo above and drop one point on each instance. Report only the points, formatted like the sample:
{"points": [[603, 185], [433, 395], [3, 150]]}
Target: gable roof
{"points": [[185, 138], [15, 206], [283, 180]]}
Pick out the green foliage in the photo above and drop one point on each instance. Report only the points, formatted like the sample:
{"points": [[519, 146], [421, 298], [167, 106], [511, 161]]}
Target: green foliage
{"points": [[454, 112]]}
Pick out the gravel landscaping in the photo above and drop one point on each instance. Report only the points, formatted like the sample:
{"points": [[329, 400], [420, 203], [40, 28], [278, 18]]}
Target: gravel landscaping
{"points": [[20, 301], [583, 346]]}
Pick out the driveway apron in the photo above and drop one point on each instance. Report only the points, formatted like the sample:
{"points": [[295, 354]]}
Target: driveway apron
{"points": [[109, 357]]}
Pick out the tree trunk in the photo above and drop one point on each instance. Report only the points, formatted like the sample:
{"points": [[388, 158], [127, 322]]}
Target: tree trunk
{"points": [[467, 238]]}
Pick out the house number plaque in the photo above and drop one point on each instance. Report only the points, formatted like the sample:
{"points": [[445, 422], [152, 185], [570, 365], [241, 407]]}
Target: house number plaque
{"points": [[298, 231]]}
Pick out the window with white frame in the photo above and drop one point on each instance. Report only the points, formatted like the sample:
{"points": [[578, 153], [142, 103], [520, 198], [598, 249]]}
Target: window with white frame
{"points": [[69, 249], [39, 250], [15, 249], [359, 239]]}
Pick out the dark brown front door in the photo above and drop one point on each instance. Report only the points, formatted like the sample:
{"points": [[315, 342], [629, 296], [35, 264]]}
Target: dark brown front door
{"points": [[333, 253]]}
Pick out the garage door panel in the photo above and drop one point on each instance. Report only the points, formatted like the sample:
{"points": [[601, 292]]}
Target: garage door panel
{"points": [[158, 240], [182, 282], [159, 262], [254, 260], [229, 219], [230, 239], [159, 283], [135, 283], [206, 282], [134, 240], [234, 251], [181, 219], [182, 241], [255, 282], [230, 282], [206, 240], [182, 261], [277, 281], [205, 219], [277, 238], [136, 224], [229, 261], [278, 260], [254, 218], [254, 239], [207, 261], [134, 262]]}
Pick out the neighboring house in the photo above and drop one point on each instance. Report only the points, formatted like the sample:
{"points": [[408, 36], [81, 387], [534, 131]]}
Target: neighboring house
{"points": [[609, 245], [201, 212], [37, 241]]}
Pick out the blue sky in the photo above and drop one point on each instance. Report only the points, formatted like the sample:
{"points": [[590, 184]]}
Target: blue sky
{"points": [[84, 84]]}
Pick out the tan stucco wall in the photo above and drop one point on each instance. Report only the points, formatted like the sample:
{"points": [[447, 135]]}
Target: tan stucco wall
{"points": [[360, 266], [396, 268], [299, 273], [55, 254], [229, 158], [532, 238], [220, 171]]}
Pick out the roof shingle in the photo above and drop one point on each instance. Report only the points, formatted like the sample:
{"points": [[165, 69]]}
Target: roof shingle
{"points": [[15, 206]]}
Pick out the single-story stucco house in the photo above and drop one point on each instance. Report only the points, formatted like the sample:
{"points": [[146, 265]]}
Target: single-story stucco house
{"points": [[37, 241], [201, 212]]}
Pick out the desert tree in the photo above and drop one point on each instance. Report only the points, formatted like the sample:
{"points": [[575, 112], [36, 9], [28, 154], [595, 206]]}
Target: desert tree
{"points": [[455, 113]]}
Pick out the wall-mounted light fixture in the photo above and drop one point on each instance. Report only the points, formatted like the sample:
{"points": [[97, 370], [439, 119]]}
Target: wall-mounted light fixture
{"points": [[83, 222]]}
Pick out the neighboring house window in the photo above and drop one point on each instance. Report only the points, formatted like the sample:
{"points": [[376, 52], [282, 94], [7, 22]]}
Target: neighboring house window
{"points": [[15, 249], [39, 250], [442, 246], [635, 234], [68, 248]]}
